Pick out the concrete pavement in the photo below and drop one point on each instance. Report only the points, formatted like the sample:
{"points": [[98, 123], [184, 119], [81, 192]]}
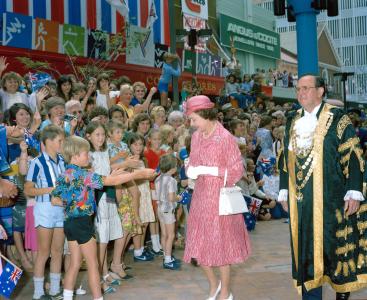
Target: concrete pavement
{"points": [[265, 276]]}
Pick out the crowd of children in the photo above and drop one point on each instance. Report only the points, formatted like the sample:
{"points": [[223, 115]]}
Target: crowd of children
{"points": [[95, 163]]}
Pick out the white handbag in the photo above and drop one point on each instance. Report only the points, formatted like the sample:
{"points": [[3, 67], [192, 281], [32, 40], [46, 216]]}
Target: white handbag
{"points": [[231, 200]]}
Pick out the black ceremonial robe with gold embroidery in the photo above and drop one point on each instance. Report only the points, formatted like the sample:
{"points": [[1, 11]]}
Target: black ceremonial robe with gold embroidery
{"points": [[326, 245]]}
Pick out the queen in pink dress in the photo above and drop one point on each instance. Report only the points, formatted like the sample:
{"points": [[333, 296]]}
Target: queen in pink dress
{"points": [[213, 240]]}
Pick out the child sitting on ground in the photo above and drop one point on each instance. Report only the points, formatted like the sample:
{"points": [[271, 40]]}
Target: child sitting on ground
{"points": [[271, 185], [252, 189], [75, 191]]}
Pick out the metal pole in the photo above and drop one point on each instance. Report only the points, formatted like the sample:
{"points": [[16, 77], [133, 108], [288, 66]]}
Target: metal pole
{"points": [[345, 95], [171, 9], [344, 78], [194, 80]]}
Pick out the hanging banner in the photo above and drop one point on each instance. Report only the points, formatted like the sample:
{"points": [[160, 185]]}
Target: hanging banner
{"points": [[215, 63], [159, 51], [73, 40], [46, 35], [195, 8], [203, 64], [188, 61], [140, 46], [97, 44], [17, 30]]}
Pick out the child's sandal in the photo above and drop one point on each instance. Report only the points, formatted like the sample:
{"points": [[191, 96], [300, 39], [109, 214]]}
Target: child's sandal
{"points": [[109, 280], [117, 275]]}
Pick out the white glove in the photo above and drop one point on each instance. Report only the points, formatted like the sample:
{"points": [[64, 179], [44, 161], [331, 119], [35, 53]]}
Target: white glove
{"points": [[192, 172], [283, 195], [203, 170], [195, 172]]}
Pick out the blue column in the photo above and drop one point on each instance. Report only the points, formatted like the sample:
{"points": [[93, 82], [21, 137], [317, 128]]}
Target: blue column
{"points": [[307, 49]]}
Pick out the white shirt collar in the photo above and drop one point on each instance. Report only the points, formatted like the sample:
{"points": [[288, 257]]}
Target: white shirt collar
{"points": [[314, 111]]}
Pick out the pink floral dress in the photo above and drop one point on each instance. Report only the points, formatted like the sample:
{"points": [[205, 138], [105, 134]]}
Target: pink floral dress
{"points": [[212, 239]]}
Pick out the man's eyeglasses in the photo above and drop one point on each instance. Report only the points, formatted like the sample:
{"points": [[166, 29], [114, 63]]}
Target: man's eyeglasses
{"points": [[304, 88], [76, 112]]}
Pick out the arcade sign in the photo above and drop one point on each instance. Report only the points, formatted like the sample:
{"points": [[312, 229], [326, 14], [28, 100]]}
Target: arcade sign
{"points": [[196, 8]]}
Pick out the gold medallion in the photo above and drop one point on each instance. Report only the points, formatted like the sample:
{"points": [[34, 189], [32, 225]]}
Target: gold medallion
{"points": [[299, 196], [300, 175]]}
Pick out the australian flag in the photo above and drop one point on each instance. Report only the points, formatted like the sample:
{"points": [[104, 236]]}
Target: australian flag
{"points": [[38, 80], [9, 278], [253, 205]]}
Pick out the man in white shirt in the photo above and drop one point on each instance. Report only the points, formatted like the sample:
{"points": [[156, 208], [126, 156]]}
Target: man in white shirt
{"points": [[321, 179]]}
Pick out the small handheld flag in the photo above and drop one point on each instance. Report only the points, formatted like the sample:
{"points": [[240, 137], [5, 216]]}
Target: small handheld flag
{"points": [[10, 275], [38, 80]]}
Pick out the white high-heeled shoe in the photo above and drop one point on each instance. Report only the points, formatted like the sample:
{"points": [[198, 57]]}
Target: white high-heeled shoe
{"points": [[230, 297], [216, 292]]}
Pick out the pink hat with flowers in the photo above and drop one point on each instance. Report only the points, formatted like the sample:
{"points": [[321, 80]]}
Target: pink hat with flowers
{"points": [[197, 103]]}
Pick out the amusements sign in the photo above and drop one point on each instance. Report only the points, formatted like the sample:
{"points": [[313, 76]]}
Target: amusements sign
{"points": [[248, 37]]}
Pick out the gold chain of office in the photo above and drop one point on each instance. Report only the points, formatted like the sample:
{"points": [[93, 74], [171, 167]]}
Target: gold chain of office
{"points": [[310, 161], [302, 175]]}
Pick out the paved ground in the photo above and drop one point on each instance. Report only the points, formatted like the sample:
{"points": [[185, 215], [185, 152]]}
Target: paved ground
{"points": [[265, 276]]}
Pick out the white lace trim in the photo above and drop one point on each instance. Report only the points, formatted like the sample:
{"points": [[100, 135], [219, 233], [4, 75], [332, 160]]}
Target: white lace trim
{"points": [[353, 195]]}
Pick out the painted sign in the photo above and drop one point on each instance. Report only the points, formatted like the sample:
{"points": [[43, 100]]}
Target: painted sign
{"points": [[215, 65], [140, 46], [159, 51], [97, 44], [17, 30], [73, 40], [248, 37], [188, 61], [203, 64], [196, 8], [206, 64], [46, 35]]}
